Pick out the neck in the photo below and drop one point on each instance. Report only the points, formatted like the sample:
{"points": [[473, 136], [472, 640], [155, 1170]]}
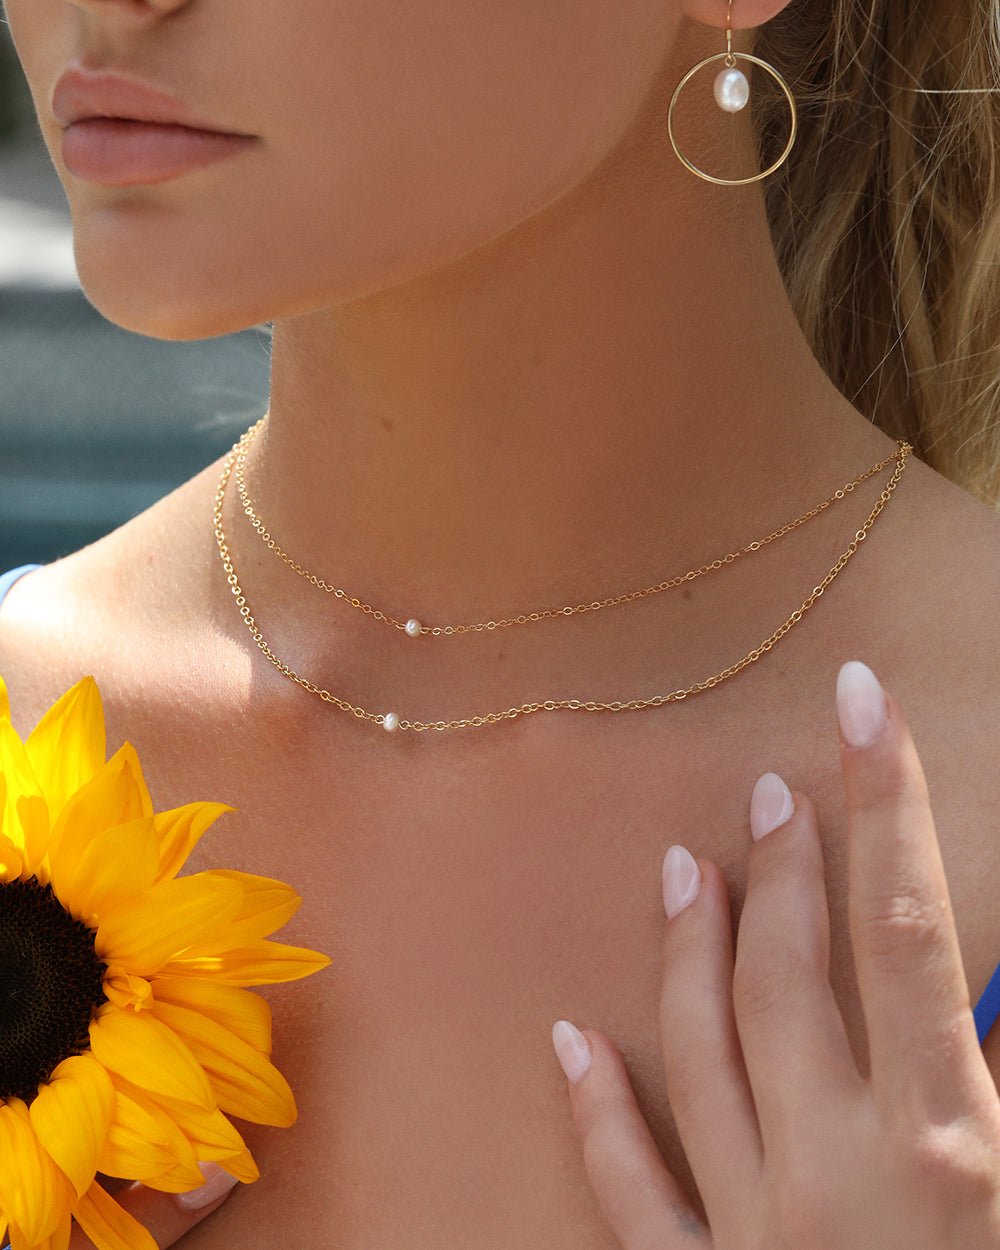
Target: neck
{"points": [[616, 389]]}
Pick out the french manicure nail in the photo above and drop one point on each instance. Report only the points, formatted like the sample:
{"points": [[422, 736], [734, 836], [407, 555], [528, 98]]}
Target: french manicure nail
{"points": [[217, 1182], [681, 880], [771, 804], [860, 704], [572, 1050]]}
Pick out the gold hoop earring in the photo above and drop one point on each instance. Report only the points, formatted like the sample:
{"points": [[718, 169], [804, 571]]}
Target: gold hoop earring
{"points": [[732, 91]]}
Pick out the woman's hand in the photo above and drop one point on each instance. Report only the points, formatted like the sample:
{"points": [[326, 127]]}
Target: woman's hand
{"points": [[791, 1148], [168, 1216]]}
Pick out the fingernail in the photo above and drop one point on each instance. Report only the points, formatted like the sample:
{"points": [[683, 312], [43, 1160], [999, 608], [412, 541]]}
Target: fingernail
{"points": [[572, 1050], [681, 880], [771, 804], [860, 704], [217, 1182]]}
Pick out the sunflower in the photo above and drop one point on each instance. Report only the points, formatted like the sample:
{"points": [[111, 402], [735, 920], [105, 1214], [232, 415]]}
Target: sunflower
{"points": [[127, 1033]]}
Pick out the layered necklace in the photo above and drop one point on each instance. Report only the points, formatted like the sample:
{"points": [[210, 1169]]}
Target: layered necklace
{"points": [[414, 628]]}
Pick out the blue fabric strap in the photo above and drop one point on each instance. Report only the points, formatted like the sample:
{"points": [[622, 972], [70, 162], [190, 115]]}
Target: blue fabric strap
{"points": [[988, 1007], [8, 579]]}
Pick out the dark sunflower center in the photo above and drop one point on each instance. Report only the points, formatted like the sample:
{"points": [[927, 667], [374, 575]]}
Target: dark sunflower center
{"points": [[50, 982]]}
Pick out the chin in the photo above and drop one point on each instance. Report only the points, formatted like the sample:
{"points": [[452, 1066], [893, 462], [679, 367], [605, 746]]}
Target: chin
{"points": [[179, 324], [167, 278], [176, 314]]}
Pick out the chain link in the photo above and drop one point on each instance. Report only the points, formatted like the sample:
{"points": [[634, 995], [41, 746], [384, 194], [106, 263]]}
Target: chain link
{"points": [[390, 720]]}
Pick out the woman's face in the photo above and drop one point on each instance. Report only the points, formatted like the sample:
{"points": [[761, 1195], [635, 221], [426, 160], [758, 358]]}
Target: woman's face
{"points": [[393, 136]]}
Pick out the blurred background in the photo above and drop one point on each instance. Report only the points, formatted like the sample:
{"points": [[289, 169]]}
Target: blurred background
{"points": [[96, 423]]}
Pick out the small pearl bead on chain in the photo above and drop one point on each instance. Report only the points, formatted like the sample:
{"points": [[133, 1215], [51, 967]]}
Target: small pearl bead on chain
{"points": [[413, 627]]}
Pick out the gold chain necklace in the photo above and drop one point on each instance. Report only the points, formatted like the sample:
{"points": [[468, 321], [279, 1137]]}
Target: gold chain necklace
{"points": [[413, 628], [392, 721]]}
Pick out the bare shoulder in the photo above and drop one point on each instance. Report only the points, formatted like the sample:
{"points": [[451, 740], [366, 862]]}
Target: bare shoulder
{"points": [[946, 560], [133, 609]]}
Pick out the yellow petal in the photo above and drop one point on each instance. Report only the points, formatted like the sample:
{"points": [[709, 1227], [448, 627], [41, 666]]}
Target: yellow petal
{"points": [[125, 990], [260, 963], [20, 777], [213, 1138], [108, 1225], [115, 795], [143, 1140], [242, 1166], [71, 1115], [179, 832], [148, 930], [148, 1054], [245, 1014], [114, 865], [244, 1081], [59, 1240], [11, 861], [266, 906], [34, 1194], [67, 747], [4, 715], [33, 815], [182, 1180], [176, 1181]]}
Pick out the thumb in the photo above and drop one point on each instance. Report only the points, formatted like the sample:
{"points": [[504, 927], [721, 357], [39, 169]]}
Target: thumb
{"points": [[166, 1217]]}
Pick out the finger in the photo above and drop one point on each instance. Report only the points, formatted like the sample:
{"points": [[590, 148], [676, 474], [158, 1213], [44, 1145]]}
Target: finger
{"points": [[641, 1201], [167, 1217], [921, 1032], [706, 1079], [795, 1046]]}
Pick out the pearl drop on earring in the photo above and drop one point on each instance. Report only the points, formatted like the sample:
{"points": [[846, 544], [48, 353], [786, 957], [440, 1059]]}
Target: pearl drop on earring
{"points": [[732, 91]]}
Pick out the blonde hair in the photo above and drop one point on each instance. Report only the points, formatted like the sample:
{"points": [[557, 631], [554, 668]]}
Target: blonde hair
{"points": [[886, 215]]}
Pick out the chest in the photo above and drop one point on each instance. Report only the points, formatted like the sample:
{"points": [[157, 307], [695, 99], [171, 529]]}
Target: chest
{"points": [[471, 889]]}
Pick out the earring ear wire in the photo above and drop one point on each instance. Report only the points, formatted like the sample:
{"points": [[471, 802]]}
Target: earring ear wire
{"points": [[732, 93]]}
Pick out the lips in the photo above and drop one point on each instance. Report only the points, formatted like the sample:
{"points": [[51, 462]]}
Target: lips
{"points": [[121, 131]]}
